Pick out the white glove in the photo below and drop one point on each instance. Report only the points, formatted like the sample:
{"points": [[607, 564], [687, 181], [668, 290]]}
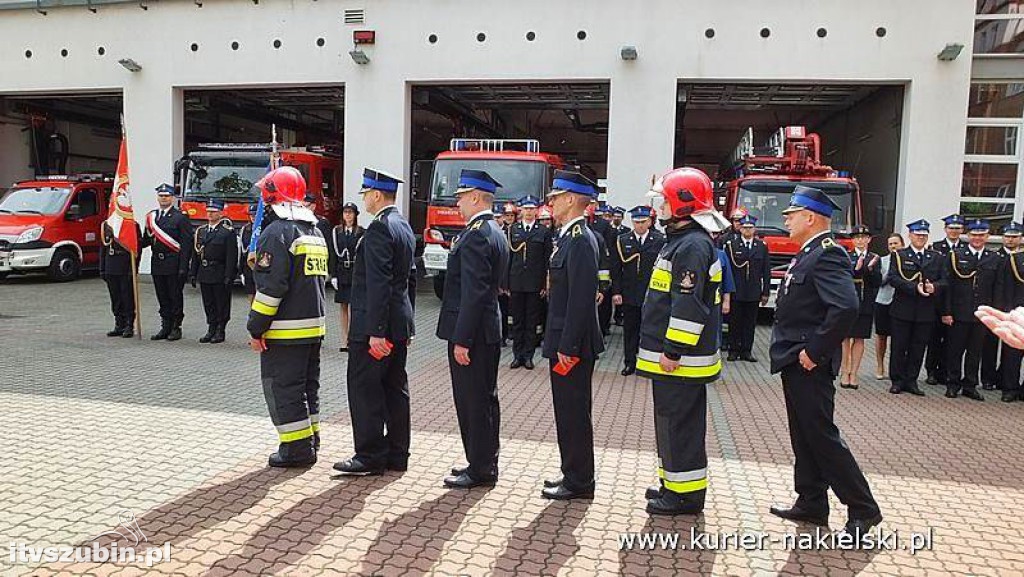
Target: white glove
{"points": [[334, 283]]}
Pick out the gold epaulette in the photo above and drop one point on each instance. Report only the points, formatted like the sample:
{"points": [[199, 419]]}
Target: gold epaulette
{"points": [[577, 230], [477, 225], [828, 242]]}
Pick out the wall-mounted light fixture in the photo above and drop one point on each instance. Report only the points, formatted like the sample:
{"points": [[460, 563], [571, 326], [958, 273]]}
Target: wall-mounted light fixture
{"points": [[950, 52], [130, 65], [359, 57], [628, 53]]}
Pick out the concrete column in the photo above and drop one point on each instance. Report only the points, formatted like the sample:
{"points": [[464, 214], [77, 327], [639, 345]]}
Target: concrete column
{"points": [[641, 134], [377, 119], [16, 160], [154, 123]]}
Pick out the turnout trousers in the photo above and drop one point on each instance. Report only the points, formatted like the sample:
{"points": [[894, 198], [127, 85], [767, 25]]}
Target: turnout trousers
{"points": [[291, 386], [680, 426]]}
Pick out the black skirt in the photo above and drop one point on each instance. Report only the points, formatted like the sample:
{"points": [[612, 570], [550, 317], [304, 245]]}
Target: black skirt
{"points": [[883, 324], [861, 328], [344, 294]]}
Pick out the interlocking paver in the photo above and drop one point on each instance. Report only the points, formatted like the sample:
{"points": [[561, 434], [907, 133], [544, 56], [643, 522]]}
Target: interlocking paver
{"points": [[178, 434]]}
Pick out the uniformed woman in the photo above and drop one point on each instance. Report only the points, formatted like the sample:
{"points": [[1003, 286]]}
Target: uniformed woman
{"points": [[867, 277], [343, 253]]}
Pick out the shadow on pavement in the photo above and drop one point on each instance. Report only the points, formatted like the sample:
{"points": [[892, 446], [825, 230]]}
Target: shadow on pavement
{"points": [[548, 540], [653, 558]]}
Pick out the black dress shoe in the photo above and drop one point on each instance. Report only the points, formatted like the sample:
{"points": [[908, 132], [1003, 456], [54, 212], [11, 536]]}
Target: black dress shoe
{"points": [[161, 334], [798, 514], [399, 466], [276, 460], [669, 503], [128, 333], [895, 389], [917, 392], [174, 335], [466, 481], [516, 364], [652, 492], [932, 380], [456, 471], [551, 483], [988, 387], [950, 394], [528, 364], [732, 357], [973, 394], [563, 493], [355, 466], [1009, 396], [628, 371], [860, 527], [209, 335], [749, 358], [116, 332]]}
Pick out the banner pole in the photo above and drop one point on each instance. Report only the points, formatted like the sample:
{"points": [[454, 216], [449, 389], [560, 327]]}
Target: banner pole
{"points": [[138, 305]]}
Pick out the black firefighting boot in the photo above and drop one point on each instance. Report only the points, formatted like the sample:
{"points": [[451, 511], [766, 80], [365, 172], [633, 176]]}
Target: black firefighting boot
{"points": [[117, 331], [218, 333], [294, 454], [175, 334], [653, 492], [208, 337], [165, 330], [672, 503], [316, 440]]}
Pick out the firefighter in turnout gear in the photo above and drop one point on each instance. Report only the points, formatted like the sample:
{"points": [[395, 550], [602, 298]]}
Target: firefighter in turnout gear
{"points": [[116, 272], [527, 280], [752, 272], [972, 272], [286, 321], [679, 338], [215, 267], [633, 261], [938, 347], [1008, 296], [169, 235], [572, 338], [379, 333], [816, 306], [471, 324]]}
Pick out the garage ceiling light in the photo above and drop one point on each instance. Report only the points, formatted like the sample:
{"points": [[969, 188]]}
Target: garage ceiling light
{"points": [[130, 65], [950, 52], [628, 53], [359, 57]]}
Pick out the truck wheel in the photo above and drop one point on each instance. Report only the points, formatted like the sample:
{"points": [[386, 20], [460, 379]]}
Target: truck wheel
{"points": [[439, 285], [65, 266]]}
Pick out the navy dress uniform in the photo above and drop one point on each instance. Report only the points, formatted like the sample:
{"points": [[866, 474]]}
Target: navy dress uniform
{"points": [[288, 316], [618, 229], [531, 245], [605, 240], [504, 299], [913, 315], [1010, 295], [168, 233], [343, 256], [245, 236], [378, 389], [935, 361], [215, 267], [470, 317], [972, 275], [632, 265], [816, 306], [991, 356], [116, 272], [752, 274], [573, 331], [867, 279]]}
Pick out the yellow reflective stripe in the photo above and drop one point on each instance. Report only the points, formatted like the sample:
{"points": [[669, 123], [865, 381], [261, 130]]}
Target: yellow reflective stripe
{"points": [[661, 280], [718, 296], [682, 486], [678, 336], [311, 249], [681, 371], [604, 275], [316, 427], [285, 334], [717, 277], [263, 309], [296, 435]]}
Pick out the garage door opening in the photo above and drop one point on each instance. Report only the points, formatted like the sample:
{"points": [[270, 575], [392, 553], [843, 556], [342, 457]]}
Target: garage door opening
{"points": [[518, 133], [858, 125], [228, 134]]}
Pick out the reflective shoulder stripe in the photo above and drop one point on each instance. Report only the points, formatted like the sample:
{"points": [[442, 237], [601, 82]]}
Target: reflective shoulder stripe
{"points": [[716, 268], [663, 264], [308, 244]]}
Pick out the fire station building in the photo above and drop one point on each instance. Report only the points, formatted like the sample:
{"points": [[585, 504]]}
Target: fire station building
{"points": [[921, 100]]}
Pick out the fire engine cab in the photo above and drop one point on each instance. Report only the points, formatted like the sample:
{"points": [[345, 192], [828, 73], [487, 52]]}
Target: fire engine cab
{"points": [[518, 165], [52, 224], [761, 181]]}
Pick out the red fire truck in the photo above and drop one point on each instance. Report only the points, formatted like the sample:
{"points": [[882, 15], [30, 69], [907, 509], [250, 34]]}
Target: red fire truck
{"points": [[230, 172], [52, 224], [518, 165], [761, 182]]}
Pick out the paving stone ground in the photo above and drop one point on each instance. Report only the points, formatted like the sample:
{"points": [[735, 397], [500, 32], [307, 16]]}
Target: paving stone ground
{"points": [[177, 434]]}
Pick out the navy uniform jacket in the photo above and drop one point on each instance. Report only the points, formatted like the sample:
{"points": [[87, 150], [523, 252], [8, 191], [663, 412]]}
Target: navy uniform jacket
{"points": [[380, 280], [528, 271], [867, 280], [477, 265], [114, 259], [942, 247], [752, 270], [632, 265], [215, 256], [904, 274], [1010, 283], [166, 260], [972, 283], [342, 244], [572, 326], [727, 236], [816, 306]]}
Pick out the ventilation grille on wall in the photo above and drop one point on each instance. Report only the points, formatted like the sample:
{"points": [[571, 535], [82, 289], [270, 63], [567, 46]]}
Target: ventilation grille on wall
{"points": [[354, 16]]}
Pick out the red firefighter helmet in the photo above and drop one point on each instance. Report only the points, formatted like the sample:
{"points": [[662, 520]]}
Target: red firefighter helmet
{"points": [[284, 184], [687, 193]]}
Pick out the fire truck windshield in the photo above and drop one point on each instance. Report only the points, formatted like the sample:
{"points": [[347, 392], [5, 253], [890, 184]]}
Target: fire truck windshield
{"points": [[41, 200], [765, 199], [517, 177], [225, 177]]}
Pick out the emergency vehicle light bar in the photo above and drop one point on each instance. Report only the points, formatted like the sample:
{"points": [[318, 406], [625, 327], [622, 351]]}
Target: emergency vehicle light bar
{"points": [[235, 146], [495, 145], [85, 177]]}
